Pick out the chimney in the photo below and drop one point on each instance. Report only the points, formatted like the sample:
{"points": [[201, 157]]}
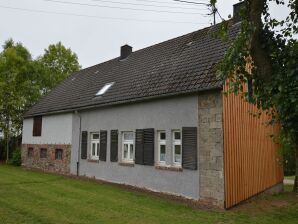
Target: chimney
{"points": [[238, 9], [126, 50]]}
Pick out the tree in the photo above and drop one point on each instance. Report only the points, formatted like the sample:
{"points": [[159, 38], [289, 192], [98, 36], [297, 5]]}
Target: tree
{"points": [[269, 45], [17, 87], [58, 62]]}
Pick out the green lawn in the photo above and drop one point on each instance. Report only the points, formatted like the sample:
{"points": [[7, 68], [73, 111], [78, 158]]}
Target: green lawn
{"points": [[33, 197], [290, 177]]}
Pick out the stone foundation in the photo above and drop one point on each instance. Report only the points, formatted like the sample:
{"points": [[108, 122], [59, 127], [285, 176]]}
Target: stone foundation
{"points": [[50, 163]]}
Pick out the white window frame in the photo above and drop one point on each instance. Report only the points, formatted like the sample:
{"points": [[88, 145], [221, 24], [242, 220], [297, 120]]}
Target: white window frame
{"points": [[97, 145], [174, 143], [160, 143], [128, 142]]}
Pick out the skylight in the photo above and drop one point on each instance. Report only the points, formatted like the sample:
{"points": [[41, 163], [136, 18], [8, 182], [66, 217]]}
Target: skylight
{"points": [[104, 89]]}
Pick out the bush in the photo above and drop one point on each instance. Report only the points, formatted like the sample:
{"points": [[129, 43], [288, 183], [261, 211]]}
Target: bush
{"points": [[16, 158]]}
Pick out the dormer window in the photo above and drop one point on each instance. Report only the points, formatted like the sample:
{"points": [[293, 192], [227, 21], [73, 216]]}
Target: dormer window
{"points": [[104, 89]]}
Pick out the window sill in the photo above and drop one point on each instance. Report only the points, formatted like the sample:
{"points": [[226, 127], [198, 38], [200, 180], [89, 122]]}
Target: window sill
{"points": [[127, 164], [93, 161], [168, 168]]}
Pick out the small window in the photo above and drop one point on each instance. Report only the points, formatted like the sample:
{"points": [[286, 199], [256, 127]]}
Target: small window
{"points": [[37, 125], [43, 153], [161, 147], [58, 154], [94, 146], [30, 152], [177, 148], [128, 146], [104, 89]]}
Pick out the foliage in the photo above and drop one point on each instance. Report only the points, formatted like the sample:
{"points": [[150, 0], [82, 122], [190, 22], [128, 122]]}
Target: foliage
{"points": [[58, 62], [16, 158], [269, 45], [58, 197], [24, 80]]}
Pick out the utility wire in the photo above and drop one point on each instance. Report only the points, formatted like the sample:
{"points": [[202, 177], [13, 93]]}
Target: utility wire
{"points": [[116, 7], [148, 5], [97, 17], [190, 2]]}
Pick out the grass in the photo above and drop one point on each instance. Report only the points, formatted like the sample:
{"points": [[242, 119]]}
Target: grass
{"points": [[290, 177], [34, 197]]}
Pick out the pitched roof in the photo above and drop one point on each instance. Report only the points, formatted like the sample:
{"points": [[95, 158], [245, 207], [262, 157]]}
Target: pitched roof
{"points": [[181, 65]]}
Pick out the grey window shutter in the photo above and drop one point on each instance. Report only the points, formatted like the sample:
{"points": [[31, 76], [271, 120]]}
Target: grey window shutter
{"points": [[103, 145], [189, 148], [114, 146], [139, 147], [84, 143], [148, 151]]}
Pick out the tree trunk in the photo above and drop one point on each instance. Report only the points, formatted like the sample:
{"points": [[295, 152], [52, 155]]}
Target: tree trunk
{"points": [[259, 55], [7, 140], [295, 189]]}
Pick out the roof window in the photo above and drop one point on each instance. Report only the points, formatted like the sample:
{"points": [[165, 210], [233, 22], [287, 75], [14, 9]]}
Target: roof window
{"points": [[104, 89]]}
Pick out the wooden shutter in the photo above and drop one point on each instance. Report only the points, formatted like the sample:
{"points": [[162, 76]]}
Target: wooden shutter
{"points": [[84, 143], [139, 147], [103, 145], [114, 146], [148, 151], [189, 148], [37, 125]]}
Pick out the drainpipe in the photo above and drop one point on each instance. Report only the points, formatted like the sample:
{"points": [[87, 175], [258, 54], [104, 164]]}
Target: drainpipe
{"points": [[79, 146]]}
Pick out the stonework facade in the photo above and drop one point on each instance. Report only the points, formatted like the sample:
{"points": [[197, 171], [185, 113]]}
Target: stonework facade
{"points": [[210, 134], [47, 157]]}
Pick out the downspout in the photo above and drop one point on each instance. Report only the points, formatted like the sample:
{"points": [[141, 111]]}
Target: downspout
{"points": [[79, 146]]}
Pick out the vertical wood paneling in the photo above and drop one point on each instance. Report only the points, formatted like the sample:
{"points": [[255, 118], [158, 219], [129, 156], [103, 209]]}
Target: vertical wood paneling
{"points": [[251, 159]]}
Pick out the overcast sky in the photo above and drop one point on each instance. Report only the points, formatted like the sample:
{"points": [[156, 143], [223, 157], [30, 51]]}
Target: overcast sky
{"points": [[100, 27]]}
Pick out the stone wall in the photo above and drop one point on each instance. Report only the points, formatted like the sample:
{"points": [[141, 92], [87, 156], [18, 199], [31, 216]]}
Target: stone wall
{"points": [[210, 131], [50, 163]]}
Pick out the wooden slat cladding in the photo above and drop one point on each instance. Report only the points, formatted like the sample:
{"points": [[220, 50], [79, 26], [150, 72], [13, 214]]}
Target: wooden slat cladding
{"points": [[251, 159]]}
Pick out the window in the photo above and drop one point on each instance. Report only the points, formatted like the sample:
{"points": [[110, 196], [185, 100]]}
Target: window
{"points": [[37, 125], [104, 89], [58, 154], [94, 146], [43, 153], [128, 146], [161, 147], [30, 152], [177, 148]]}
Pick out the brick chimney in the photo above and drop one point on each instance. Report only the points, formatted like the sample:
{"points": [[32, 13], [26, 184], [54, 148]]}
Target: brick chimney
{"points": [[126, 50]]}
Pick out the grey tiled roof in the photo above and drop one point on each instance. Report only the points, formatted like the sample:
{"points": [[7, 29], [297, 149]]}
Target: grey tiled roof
{"points": [[181, 65]]}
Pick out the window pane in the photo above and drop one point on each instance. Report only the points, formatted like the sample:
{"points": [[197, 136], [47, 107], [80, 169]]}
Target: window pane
{"points": [[162, 153], [177, 135], [162, 136], [95, 136], [125, 151], [97, 149], [93, 149], [131, 152], [128, 135], [178, 153]]}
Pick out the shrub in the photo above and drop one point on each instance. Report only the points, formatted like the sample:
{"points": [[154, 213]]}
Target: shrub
{"points": [[16, 158]]}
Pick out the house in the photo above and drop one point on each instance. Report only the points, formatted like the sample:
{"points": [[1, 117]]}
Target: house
{"points": [[156, 119]]}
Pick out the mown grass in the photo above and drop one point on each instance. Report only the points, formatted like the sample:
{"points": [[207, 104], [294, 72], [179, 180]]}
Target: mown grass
{"points": [[290, 177], [34, 197]]}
